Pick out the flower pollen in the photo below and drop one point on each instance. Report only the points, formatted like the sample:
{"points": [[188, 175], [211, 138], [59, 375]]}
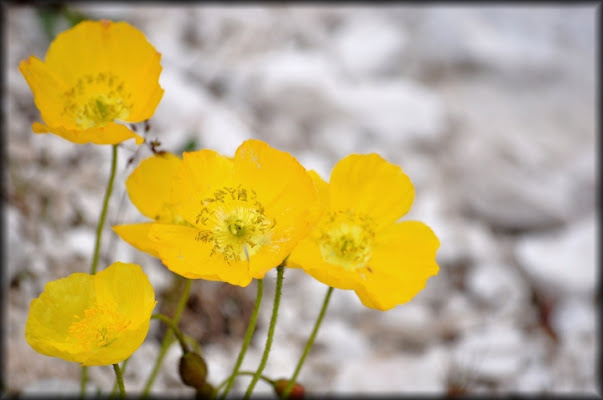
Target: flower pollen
{"points": [[345, 239], [97, 100], [235, 223], [100, 326]]}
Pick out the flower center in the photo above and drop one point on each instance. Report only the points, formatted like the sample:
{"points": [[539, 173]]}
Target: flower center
{"points": [[99, 327], [97, 100], [345, 239], [235, 223]]}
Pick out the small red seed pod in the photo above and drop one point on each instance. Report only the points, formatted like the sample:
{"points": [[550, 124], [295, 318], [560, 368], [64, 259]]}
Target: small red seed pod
{"points": [[193, 370], [296, 393]]}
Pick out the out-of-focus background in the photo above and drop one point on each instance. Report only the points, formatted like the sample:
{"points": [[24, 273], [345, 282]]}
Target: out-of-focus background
{"points": [[490, 111]]}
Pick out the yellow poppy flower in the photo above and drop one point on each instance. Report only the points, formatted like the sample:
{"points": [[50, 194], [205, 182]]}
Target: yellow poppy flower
{"points": [[92, 319], [94, 75], [230, 220], [358, 243]]}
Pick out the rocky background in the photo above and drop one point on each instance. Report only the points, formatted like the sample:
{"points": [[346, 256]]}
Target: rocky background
{"points": [[491, 112]]}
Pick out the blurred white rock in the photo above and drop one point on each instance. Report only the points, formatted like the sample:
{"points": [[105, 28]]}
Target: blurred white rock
{"points": [[383, 374], [574, 319], [394, 111], [223, 130], [80, 241], [367, 46], [562, 261], [493, 351], [411, 322], [500, 286], [57, 388], [180, 112]]}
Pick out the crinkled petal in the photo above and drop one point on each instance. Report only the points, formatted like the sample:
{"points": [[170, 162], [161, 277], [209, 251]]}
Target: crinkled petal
{"points": [[367, 183], [127, 286], [284, 188], [200, 174], [52, 313], [112, 133], [137, 235], [183, 254], [148, 186], [307, 255], [47, 88], [403, 259]]}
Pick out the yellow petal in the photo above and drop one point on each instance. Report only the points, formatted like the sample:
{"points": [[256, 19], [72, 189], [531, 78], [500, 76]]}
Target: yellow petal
{"points": [[52, 313], [127, 286], [95, 47], [137, 235], [321, 185], [148, 186], [402, 261], [111, 133], [47, 88], [307, 255], [183, 254], [122, 348], [200, 174], [371, 185], [283, 186]]}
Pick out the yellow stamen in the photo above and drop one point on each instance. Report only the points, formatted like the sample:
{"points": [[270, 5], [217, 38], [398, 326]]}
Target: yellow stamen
{"points": [[97, 100], [99, 327], [345, 239], [235, 222]]}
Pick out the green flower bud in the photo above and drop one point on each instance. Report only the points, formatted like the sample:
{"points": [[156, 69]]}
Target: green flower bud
{"points": [[193, 370]]}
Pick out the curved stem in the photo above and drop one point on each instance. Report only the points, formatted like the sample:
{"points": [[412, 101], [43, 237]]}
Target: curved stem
{"points": [[247, 340], [309, 343], [101, 221], [277, 298], [263, 377], [99, 234], [120, 380], [168, 336], [174, 329]]}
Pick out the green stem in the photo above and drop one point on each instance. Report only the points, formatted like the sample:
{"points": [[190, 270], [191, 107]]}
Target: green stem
{"points": [[309, 343], [116, 384], [101, 221], [175, 330], [248, 335], [264, 377], [99, 233], [120, 380], [277, 298], [168, 337], [83, 381]]}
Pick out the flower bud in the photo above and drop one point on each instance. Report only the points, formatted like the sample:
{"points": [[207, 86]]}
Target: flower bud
{"points": [[296, 393], [193, 370], [205, 392]]}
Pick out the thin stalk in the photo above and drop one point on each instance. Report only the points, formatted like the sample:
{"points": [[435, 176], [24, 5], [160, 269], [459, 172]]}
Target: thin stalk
{"points": [[99, 234], [309, 343], [101, 221], [280, 270], [264, 377], [120, 381], [247, 339], [116, 384], [168, 337], [174, 329]]}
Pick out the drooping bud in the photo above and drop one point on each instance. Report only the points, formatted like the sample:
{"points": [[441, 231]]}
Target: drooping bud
{"points": [[193, 370], [296, 393], [205, 392]]}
